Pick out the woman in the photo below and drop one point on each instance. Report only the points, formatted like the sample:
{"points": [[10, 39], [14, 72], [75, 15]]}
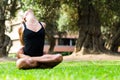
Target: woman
{"points": [[32, 35]]}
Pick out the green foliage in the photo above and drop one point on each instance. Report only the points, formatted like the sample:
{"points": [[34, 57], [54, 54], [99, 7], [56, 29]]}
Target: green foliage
{"points": [[10, 7], [42, 8], [68, 18], [48, 11], [109, 14], [62, 15], [31, 4], [83, 70]]}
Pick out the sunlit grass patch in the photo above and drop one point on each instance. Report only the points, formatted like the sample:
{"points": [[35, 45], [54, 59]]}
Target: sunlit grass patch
{"points": [[82, 70]]}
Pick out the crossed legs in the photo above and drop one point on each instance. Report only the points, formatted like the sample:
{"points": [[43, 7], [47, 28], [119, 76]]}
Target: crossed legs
{"points": [[45, 61]]}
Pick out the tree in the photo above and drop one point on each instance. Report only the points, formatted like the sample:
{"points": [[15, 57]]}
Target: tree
{"points": [[98, 22], [89, 22], [94, 19], [89, 41], [68, 18], [7, 11], [114, 39]]}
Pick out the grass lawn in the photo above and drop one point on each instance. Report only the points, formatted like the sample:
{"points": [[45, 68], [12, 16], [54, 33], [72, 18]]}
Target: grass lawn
{"points": [[82, 70]]}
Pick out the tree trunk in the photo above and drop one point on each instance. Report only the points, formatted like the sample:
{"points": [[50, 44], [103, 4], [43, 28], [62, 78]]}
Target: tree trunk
{"points": [[52, 44], [6, 11], [115, 41], [51, 39], [2, 39], [2, 29], [89, 40]]}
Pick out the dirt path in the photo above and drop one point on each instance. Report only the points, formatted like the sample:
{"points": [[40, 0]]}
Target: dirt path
{"points": [[90, 57], [77, 58], [6, 59]]}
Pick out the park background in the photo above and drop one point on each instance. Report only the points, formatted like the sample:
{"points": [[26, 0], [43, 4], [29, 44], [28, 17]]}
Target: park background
{"points": [[92, 26], [95, 23]]}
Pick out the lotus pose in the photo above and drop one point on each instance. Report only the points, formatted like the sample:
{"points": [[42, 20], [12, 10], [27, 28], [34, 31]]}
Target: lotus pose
{"points": [[32, 36]]}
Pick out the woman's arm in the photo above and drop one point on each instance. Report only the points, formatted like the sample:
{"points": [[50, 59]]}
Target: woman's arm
{"points": [[20, 53], [20, 32]]}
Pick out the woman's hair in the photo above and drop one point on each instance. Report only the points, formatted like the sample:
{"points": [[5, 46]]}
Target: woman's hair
{"points": [[26, 13]]}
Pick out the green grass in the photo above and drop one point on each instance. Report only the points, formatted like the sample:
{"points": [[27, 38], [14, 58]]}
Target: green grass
{"points": [[82, 70]]}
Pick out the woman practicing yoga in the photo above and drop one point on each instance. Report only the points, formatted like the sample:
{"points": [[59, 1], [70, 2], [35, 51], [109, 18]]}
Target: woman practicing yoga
{"points": [[32, 36]]}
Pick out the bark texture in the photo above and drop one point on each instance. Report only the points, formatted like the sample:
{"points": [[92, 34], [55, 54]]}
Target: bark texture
{"points": [[89, 41], [4, 9], [114, 42]]}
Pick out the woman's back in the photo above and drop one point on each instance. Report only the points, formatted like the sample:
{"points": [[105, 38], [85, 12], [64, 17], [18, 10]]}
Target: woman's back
{"points": [[33, 35], [33, 41]]}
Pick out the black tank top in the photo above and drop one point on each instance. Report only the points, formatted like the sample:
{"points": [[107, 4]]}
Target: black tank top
{"points": [[33, 41]]}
